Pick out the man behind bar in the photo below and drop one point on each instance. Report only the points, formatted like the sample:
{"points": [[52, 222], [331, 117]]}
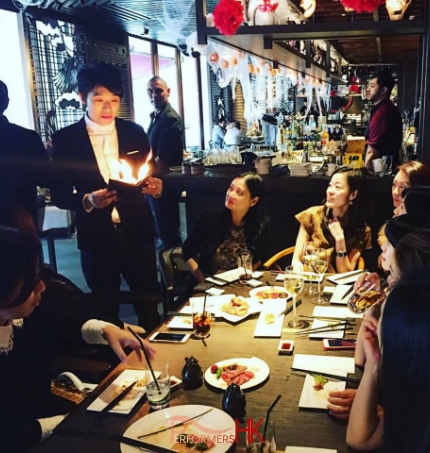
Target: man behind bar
{"points": [[384, 132]]}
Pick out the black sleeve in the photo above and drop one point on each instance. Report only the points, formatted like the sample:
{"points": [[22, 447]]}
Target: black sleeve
{"points": [[170, 146], [195, 240], [18, 433], [263, 248]]}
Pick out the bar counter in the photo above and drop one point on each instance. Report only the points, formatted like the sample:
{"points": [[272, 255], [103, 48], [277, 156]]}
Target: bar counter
{"points": [[286, 196]]}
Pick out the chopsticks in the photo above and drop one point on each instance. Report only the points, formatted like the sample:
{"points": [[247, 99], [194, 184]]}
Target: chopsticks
{"points": [[174, 426], [327, 375], [290, 308], [330, 318], [324, 329], [103, 413], [350, 290], [65, 432]]}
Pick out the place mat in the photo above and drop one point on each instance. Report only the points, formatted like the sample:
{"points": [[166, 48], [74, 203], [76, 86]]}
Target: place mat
{"points": [[341, 366], [340, 291]]}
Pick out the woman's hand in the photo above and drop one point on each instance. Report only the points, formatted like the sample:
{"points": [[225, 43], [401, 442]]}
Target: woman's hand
{"points": [[340, 402], [153, 186], [370, 341], [119, 339], [336, 229], [368, 281]]}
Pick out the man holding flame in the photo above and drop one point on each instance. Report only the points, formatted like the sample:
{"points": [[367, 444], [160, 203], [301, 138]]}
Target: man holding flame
{"points": [[115, 229]]}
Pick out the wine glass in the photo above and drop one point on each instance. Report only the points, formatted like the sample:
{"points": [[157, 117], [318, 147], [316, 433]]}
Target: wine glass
{"points": [[319, 265], [293, 283], [308, 258]]}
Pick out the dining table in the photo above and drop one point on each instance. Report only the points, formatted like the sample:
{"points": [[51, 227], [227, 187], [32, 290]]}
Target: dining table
{"points": [[294, 426]]}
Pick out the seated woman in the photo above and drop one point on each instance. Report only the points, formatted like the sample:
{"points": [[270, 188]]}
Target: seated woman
{"points": [[220, 233], [339, 225], [409, 174], [29, 329], [415, 201], [397, 362], [407, 249]]}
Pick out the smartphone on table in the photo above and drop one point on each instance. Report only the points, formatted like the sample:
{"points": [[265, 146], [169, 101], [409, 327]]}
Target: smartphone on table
{"points": [[168, 337], [334, 344]]}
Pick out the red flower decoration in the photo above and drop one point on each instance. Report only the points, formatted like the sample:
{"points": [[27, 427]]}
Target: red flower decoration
{"points": [[362, 5], [228, 16], [267, 6]]}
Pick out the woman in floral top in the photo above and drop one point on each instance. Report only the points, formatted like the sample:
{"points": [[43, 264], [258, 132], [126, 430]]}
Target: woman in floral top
{"points": [[340, 224], [220, 234]]}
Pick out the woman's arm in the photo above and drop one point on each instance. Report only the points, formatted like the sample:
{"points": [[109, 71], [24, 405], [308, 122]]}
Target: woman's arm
{"points": [[365, 427], [193, 267], [344, 263], [302, 238]]}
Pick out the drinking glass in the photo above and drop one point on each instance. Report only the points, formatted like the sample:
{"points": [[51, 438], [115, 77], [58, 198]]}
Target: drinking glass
{"points": [[269, 445], [388, 164], [319, 265], [158, 397], [308, 258], [244, 264], [201, 320], [293, 283]]}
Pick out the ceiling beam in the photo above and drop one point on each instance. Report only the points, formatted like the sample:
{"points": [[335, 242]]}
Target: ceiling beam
{"points": [[328, 30], [378, 39]]}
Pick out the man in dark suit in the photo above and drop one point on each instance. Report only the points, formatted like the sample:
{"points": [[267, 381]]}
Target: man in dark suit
{"points": [[115, 231], [24, 162], [166, 136]]}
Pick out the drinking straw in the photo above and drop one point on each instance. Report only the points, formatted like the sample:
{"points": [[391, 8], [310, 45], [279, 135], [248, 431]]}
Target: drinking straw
{"points": [[204, 317], [267, 419], [146, 356]]}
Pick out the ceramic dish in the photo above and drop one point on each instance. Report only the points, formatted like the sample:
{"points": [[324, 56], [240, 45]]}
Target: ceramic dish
{"points": [[258, 367], [317, 399]]}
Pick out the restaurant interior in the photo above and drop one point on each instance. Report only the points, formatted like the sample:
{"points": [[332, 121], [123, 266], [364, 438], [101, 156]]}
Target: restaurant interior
{"points": [[287, 54]]}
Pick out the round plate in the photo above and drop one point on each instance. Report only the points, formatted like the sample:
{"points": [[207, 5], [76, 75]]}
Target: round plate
{"points": [[273, 293], [176, 169], [259, 367], [215, 422]]}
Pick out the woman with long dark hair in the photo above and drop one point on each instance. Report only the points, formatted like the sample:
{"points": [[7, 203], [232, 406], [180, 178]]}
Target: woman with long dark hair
{"points": [[340, 224], [220, 233], [396, 351]]}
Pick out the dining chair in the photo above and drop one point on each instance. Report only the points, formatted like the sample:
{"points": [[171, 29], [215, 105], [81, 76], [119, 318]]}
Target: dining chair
{"points": [[361, 265]]}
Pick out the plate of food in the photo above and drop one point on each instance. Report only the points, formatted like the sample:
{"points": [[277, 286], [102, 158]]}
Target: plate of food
{"points": [[126, 405], [239, 308], [246, 372], [316, 389], [214, 425], [269, 292]]}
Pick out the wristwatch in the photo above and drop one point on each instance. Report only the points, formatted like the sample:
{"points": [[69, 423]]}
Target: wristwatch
{"points": [[341, 254]]}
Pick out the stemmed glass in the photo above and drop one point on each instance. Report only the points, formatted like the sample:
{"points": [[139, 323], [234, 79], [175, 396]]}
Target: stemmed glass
{"points": [[319, 265], [308, 258], [293, 283]]}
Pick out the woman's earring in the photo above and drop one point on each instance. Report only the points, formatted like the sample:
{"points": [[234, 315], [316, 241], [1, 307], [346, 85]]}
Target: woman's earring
{"points": [[351, 202]]}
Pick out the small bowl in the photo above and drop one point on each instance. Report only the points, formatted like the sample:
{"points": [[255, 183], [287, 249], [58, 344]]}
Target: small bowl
{"points": [[285, 347], [175, 383]]}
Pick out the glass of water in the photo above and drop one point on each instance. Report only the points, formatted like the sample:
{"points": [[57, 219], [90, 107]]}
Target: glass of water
{"points": [[158, 392]]}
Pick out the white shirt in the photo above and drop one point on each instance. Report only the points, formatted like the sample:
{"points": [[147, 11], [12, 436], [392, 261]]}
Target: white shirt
{"points": [[233, 137], [104, 140]]}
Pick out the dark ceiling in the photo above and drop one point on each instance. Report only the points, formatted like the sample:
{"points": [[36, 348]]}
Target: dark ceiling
{"points": [[134, 16]]}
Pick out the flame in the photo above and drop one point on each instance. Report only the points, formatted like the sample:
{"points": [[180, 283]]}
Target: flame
{"points": [[124, 171]]}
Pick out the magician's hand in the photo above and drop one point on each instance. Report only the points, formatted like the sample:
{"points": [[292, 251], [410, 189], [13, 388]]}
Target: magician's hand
{"points": [[153, 186], [101, 198]]}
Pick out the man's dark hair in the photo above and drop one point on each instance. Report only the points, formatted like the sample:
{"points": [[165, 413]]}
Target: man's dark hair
{"points": [[4, 97], [237, 124], [385, 79], [101, 74]]}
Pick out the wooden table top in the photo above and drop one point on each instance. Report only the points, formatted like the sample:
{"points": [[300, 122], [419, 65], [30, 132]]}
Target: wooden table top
{"points": [[294, 426]]}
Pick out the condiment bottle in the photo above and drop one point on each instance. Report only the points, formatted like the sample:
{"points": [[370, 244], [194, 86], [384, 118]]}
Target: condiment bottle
{"points": [[192, 374], [234, 402]]}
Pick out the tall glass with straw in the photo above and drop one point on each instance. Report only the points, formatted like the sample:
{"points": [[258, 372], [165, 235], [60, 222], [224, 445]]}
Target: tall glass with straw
{"points": [[293, 283]]}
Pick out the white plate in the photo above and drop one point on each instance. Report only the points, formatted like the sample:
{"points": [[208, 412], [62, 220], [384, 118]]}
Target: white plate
{"points": [[345, 278], [254, 307], [263, 329], [340, 366], [181, 323], [278, 289], [317, 399], [309, 277], [257, 366], [211, 424], [126, 405], [340, 291], [309, 450]]}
